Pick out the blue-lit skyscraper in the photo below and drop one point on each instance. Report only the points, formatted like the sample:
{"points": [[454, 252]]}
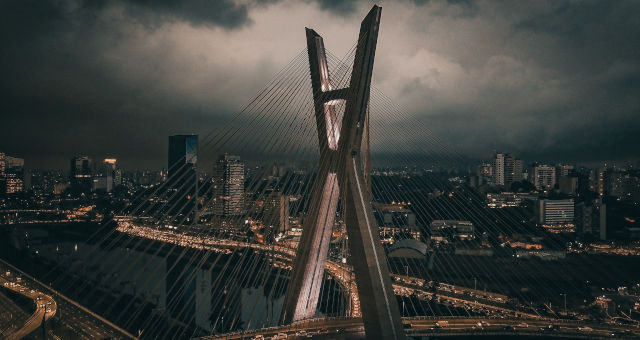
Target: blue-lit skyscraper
{"points": [[183, 176], [183, 153]]}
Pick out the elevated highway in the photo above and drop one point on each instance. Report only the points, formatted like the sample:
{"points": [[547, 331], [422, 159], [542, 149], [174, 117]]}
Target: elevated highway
{"points": [[513, 320], [441, 327], [45, 305]]}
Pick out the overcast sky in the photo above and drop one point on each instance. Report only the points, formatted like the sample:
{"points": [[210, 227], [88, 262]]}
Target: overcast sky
{"points": [[547, 80]]}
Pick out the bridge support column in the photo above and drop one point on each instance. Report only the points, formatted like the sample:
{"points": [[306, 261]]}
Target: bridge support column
{"points": [[344, 169]]}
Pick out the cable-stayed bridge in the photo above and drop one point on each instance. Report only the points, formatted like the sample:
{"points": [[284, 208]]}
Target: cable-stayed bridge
{"points": [[327, 247]]}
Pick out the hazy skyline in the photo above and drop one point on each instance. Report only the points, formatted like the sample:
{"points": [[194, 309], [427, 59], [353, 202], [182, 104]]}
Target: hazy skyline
{"points": [[545, 80]]}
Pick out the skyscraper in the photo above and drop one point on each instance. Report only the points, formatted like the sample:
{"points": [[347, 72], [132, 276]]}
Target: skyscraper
{"points": [[228, 186], [182, 168], [543, 176], [512, 170], [507, 169], [105, 175], [81, 174], [275, 211], [498, 169], [11, 174], [183, 153]]}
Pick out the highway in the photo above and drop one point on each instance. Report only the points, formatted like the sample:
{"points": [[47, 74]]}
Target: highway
{"points": [[46, 306], [403, 285], [12, 316], [78, 322], [446, 326], [502, 318]]}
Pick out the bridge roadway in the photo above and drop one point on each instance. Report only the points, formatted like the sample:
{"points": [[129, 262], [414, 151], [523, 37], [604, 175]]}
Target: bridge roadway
{"points": [[80, 321], [403, 285], [510, 321], [446, 326], [46, 306]]}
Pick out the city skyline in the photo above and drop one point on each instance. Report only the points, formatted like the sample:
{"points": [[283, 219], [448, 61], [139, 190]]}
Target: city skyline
{"points": [[551, 81], [448, 175]]}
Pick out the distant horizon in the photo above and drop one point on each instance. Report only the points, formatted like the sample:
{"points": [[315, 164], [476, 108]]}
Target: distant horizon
{"points": [[545, 81]]}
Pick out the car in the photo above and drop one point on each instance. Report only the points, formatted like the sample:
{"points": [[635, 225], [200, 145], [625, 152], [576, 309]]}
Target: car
{"points": [[585, 329], [508, 328], [442, 323], [523, 325]]}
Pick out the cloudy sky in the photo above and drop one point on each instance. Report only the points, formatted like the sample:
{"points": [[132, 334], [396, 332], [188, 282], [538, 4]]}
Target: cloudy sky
{"points": [[547, 80]]}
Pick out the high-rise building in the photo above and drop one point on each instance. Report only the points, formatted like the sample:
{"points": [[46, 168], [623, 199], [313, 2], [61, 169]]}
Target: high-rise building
{"points": [[182, 178], [591, 218], [564, 170], [11, 174], [613, 183], [512, 170], [275, 211], [81, 174], [555, 212], [183, 154], [498, 169], [507, 169], [543, 176], [228, 186], [117, 173], [599, 180], [3, 181], [104, 177]]}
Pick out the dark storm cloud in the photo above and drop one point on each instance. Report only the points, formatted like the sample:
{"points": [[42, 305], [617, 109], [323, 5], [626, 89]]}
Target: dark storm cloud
{"points": [[224, 13], [339, 7], [60, 94], [547, 80]]}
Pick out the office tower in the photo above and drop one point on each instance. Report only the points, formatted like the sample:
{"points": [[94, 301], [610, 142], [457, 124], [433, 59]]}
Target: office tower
{"points": [[3, 184], [599, 180], [602, 218], [117, 173], [104, 176], [498, 169], [512, 170], [591, 218], [613, 183], [507, 169], [183, 154], [81, 173], [564, 170], [543, 176], [11, 174], [555, 212], [228, 186], [275, 211], [183, 174]]}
